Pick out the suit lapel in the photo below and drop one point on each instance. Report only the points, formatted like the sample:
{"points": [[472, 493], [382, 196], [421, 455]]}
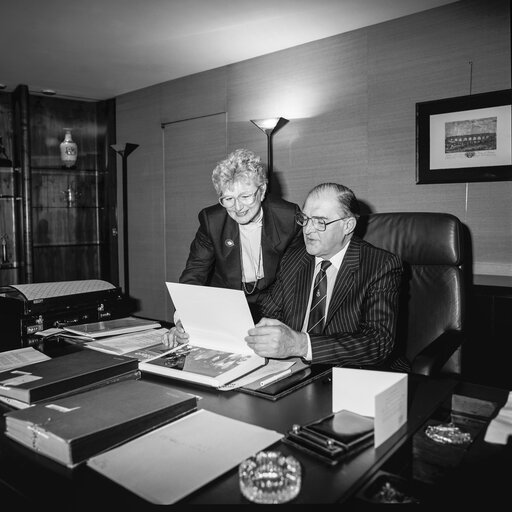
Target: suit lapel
{"points": [[270, 239], [345, 278], [304, 276]]}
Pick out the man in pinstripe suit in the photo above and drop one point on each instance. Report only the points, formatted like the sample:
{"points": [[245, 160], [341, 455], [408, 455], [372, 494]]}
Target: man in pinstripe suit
{"points": [[363, 284]]}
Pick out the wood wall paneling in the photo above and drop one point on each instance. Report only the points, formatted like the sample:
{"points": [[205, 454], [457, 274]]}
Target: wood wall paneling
{"points": [[139, 122], [70, 209], [74, 261], [194, 96], [321, 88], [351, 102], [191, 148]]}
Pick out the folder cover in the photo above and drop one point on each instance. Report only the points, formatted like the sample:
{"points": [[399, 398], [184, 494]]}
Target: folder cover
{"points": [[70, 430], [47, 379]]}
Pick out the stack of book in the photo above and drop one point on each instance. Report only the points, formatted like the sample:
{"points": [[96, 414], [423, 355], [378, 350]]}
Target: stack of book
{"points": [[26, 385], [72, 429], [114, 327]]}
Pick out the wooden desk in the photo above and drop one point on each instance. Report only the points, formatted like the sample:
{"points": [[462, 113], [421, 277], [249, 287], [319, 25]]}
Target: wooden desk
{"points": [[37, 481]]}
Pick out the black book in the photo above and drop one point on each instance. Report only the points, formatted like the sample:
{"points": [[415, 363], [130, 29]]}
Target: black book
{"points": [[46, 379], [72, 429]]}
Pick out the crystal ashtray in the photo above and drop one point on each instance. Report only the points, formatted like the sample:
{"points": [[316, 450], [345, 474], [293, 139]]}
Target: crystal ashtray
{"points": [[269, 477]]}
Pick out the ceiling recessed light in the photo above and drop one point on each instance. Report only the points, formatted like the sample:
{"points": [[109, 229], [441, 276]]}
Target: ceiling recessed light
{"points": [[49, 92]]}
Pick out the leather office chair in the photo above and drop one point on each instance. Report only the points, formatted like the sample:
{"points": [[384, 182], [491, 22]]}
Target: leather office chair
{"points": [[432, 247]]}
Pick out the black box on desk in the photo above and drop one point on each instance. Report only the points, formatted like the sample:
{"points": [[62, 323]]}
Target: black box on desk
{"points": [[26, 309]]}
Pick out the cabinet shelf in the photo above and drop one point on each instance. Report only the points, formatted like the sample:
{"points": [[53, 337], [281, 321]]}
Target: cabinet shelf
{"points": [[9, 266], [79, 244], [64, 170], [65, 207]]}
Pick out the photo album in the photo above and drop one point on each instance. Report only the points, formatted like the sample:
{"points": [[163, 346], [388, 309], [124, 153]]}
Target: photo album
{"points": [[217, 320]]}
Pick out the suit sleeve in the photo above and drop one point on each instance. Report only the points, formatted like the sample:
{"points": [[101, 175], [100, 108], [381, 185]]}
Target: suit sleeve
{"points": [[372, 342], [201, 258]]}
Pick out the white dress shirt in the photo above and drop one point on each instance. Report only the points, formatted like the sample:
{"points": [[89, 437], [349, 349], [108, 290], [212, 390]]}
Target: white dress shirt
{"points": [[331, 274], [250, 242]]}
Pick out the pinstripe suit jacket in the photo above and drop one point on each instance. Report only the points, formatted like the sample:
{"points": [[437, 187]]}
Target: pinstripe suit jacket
{"points": [[361, 321]]}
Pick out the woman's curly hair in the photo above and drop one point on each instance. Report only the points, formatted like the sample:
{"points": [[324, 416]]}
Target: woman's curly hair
{"points": [[242, 165]]}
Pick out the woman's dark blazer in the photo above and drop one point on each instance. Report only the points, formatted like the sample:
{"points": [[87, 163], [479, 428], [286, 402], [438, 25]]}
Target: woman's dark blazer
{"points": [[214, 257]]}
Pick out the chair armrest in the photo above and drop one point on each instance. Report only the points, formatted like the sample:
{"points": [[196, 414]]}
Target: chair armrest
{"points": [[433, 357]]}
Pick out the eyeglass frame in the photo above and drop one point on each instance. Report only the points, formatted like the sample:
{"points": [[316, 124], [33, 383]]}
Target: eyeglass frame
{"points": [[314, 220], [237, 198]]}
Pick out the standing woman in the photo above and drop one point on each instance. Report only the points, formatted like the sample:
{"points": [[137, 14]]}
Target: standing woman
{"points": [[240, 241]]}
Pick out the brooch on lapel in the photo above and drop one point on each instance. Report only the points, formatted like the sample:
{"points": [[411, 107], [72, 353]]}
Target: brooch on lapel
{"points": [[229, 243]]}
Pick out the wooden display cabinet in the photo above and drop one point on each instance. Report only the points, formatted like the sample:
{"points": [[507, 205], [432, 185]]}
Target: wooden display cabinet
{"points": [[60, 222]]}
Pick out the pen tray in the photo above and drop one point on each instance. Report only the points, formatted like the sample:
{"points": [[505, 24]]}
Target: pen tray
{"points": [[333, 438]]}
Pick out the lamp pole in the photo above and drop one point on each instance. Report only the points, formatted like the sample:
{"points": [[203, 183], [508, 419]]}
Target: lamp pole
{"points": [[124, 150], [269, 127]]}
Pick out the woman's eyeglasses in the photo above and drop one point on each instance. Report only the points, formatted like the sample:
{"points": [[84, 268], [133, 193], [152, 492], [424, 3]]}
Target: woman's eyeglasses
{"points": [[245, 199]]}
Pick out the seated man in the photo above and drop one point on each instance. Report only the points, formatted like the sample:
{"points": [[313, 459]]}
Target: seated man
{"points": [[350, 317]]}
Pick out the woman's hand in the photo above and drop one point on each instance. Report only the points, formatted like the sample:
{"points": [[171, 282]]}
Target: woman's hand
{"points": [[176, 336]]}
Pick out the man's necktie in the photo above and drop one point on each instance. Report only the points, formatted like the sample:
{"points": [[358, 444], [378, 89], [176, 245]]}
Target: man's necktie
{"points": [[318, 302]]}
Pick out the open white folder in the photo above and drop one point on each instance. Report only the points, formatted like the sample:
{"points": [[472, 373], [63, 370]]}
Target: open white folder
{"points": [[217, 320]]}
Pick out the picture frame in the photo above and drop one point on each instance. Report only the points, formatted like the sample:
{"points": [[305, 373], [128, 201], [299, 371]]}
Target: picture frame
{"points": [[464, 139]]}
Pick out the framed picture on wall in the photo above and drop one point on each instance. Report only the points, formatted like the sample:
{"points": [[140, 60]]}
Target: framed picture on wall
{"points": [[464, 139]]}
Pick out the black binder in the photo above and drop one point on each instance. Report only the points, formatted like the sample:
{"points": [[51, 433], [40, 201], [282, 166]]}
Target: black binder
{"points": [[283, 387]]}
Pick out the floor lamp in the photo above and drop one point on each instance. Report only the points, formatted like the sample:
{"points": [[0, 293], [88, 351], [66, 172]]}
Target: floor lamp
{"points": [[269, 127], [124, 150]]}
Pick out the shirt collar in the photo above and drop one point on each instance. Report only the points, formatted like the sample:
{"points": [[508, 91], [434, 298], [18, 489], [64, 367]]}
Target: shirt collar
{"points": [[254, 224], [336, 260]]}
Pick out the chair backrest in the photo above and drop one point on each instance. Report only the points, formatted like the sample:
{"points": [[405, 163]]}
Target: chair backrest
{"points": [[432, 248]]}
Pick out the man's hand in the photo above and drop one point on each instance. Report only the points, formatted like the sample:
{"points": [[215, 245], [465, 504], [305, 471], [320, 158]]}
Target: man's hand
{"points": [[175, 336], [272, 338]]}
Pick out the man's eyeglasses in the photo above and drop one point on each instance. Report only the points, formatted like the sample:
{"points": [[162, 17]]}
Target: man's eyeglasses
{"points": [[318, 223], [245, 199]]}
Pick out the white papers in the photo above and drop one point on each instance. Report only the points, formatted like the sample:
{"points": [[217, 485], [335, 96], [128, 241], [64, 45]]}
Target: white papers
{"points": [[20, 357], [500, 427], [167, 464], [216, 318], [113, 327], [381, 395], [125, 343]]}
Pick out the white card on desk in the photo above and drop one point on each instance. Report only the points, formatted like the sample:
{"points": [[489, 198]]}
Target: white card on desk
{"points": [[378, 394]]}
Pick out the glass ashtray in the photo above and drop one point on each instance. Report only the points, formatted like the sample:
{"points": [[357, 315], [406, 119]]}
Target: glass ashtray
{"points": [[270, 477], [447, 433]]}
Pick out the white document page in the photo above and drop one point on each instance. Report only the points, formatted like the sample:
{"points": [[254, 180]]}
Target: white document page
{"points": [[169, 463], [20, 357], [215, 318], [378, 394], [125, 343], [500, 428]]}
